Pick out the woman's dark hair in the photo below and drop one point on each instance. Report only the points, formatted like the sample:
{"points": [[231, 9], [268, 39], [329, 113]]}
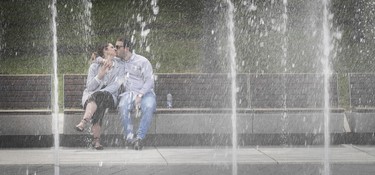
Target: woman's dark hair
{"points": [[127, 43], [100, 49]]}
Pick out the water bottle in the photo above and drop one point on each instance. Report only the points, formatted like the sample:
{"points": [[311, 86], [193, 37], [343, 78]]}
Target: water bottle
{"points": [[169, 100]]}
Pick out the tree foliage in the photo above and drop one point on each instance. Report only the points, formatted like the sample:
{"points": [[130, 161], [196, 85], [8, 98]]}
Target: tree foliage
{"points": [[188, 36]]}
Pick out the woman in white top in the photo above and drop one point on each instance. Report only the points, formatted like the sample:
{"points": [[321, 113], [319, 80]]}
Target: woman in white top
{"points": [[101, 90]]}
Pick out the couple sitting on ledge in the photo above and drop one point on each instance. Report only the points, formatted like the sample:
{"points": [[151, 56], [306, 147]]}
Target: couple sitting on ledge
{"points": [[118, 74]]}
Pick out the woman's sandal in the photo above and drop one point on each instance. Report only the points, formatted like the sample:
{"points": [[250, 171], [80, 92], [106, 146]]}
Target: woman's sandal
{"points": [[96, 144], [81, 125]]}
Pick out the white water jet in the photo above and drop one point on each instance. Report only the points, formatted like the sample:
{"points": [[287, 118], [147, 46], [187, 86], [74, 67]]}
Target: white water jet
{"points": [[155, 7], [327, 72], [87, 23], [2, 30], [144, 22], [232, 56], [284, 48], [284, 30], [55, 90]]}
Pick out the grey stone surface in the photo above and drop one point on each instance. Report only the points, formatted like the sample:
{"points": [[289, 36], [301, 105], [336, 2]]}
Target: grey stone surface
{"points": [[187, 129], [268, 123], [297, 123], [168, 123], [245, 123], [368, 149], [209, 123], [343, 160], [362, 122], [196, 169], [25, 124], [193, 123]]}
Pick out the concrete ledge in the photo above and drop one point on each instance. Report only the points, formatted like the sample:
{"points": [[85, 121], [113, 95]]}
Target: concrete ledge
{"points": [[363, 110], [213, 129], [26, 141], [281, 123], [297, 123], [25, 124], [20, 130], [26, 111], [193, 129], [112, 124], [362, 122], [193, 123]]}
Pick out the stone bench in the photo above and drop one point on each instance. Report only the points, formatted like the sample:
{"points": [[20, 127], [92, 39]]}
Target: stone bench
{"points": [[362, 91], [74, 86], [210, 92], [362, 102], [267, 104], [25, 110]]}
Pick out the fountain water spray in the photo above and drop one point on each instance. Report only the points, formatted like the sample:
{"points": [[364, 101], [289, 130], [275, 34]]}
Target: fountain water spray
{"points": [[144, 23], [284, 58], [2, 31], [55, 89], [232, 56], [327, 72], [284, 30], [86, 22]]}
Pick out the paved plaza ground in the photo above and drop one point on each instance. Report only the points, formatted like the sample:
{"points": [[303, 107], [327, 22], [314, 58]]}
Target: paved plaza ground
{"points": [[262, 160]]}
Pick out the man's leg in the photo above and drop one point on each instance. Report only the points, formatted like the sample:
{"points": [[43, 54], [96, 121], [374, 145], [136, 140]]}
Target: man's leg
{"points": [[148, 107], [125, 107]]}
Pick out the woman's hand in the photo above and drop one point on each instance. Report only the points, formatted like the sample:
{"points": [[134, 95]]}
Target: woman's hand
{"points": [[104, 68]]}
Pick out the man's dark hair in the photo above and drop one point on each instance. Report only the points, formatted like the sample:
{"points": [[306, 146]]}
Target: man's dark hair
{"points": [[127, 43]]}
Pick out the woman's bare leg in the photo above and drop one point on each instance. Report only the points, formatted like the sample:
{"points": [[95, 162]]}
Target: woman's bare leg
{"points": [[89, 112], [96, 133]]}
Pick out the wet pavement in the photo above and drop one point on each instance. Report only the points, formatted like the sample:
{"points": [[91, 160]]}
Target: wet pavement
{"points": [[262, 160]]}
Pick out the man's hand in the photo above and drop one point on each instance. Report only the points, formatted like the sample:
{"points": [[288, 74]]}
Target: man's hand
{"points": [[138, 100]]}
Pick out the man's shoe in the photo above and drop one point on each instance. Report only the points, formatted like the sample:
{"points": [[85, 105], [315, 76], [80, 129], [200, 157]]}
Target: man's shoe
{"points": [[129, 142], [138, 145]]}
